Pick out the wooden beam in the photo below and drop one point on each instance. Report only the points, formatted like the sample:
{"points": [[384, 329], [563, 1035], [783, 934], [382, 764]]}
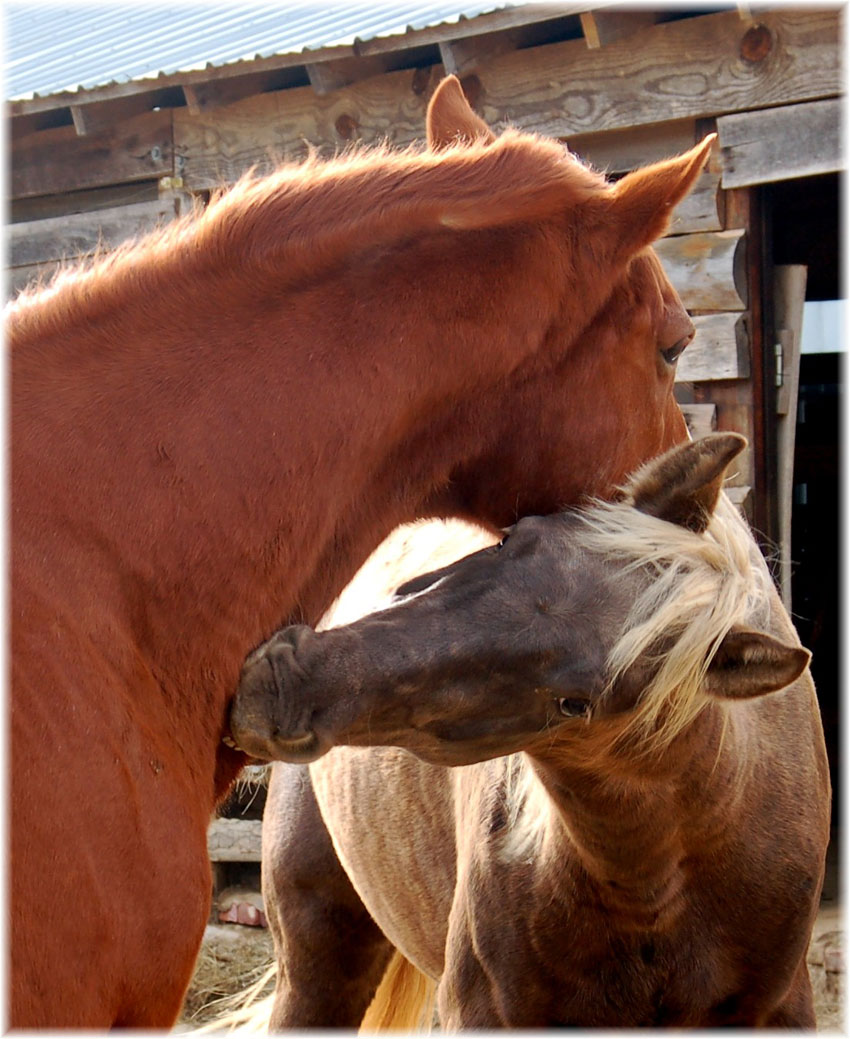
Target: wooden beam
{"points": [[618, 151], [218, 147], [328, 76], [79, 234], [55, 161], [603, 27], [496, 21], [701, 419], [720, 350], [781, 143], [707, 269], [789, 295], [691, 68], [686, 69], [461, 57]]}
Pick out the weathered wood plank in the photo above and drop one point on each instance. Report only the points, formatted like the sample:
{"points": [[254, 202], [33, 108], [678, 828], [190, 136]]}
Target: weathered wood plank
{"points": [[603, 27], [41, 207], [693, 68], [701, 419], [789, 295], [684, 69], [219, 146], [59, 160], [617, 151], [79, 234], [780, 143], [235, 840], [707, 269], [720, 350]]}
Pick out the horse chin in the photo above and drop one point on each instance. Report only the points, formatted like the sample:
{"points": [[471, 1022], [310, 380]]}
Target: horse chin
{"points": [[299, 751]]}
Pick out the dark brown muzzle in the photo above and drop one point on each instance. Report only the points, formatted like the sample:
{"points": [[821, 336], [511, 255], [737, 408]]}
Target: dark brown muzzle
{"points": [[269, 718]]}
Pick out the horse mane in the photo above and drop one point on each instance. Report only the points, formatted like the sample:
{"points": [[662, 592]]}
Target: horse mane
{"points": [[304, 217], [701, 586]]}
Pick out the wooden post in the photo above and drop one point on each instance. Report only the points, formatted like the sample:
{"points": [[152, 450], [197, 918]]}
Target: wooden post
{"points": [[789, 294]]}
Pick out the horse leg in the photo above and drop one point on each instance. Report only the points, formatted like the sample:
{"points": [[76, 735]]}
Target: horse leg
{"points": [[330, 953]]}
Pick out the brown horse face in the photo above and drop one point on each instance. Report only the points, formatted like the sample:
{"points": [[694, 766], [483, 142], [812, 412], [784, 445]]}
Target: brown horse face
{"points": [[505, 650], [472, 662], [578, 430]]}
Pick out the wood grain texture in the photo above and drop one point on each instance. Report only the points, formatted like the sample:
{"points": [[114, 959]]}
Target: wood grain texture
{"points": [[707, 269], [701, 419], [780, 143], [80, 234], [691, 68], [59, 160], [720, 350], [686, 69]]}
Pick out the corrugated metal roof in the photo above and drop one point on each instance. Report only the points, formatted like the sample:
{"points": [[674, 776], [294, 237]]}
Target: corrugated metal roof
{"points": [[56, 47]]}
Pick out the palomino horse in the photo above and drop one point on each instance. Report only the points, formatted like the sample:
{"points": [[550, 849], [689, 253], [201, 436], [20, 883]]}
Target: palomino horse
{"points": [[651, 851], [212, 429]]}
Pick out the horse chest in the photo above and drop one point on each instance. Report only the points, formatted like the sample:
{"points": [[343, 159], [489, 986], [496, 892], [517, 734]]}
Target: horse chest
{"points": [[517, 959]]}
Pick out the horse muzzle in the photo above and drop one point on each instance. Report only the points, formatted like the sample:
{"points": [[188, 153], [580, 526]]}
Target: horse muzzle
{"points": [[269, 720]]}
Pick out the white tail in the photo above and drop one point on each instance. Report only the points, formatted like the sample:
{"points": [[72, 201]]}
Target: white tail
{"points": [[404, 1001]]}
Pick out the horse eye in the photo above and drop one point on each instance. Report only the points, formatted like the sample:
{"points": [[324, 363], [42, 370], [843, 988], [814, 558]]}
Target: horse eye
{"points": [[573, 708], [672, 353], [501, 544]]}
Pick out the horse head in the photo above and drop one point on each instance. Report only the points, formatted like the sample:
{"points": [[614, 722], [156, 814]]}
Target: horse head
{"points": [[628, 616], [597, 399]]}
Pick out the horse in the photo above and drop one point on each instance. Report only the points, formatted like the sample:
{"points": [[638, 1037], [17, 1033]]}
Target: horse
{"points": [[578, 779], [212, 428]]}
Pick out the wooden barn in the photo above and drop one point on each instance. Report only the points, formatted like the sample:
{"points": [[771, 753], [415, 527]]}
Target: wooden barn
{"points": [[754, 252]]}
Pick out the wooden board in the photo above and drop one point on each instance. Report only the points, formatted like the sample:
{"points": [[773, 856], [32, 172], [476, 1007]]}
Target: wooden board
{"points": [[59, 160], [220, 145], [685, 69], [780, 143], [79, 234], [701, 419], [720, 350], [619, 151], [789, 294], [692, 68], [707, 269]]}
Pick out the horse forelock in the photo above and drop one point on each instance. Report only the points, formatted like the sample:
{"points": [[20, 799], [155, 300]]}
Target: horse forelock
{"points": [[700, 587], [307, 215]]}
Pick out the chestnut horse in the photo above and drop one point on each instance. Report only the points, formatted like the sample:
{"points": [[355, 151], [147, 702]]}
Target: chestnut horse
{"points": [[651, 850], [211, 430]]}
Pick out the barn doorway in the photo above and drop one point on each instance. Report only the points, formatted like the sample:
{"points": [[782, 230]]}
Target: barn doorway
{"points": [[804, 219]]}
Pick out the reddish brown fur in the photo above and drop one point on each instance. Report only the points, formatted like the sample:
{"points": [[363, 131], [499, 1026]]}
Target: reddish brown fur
{"points": [[212, 430]]}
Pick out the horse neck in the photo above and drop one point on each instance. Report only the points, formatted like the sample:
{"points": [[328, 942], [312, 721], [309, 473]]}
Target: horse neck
{"points": [[629, 822], [217, 471]]}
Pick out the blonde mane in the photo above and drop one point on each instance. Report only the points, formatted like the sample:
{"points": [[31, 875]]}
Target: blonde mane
{"points": [[702, 585], [304, 217]]}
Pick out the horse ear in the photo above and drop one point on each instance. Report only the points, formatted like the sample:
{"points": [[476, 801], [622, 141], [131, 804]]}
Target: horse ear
{"points": [[643, 201], [683, 485], [450, 119], [751, 663]]}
